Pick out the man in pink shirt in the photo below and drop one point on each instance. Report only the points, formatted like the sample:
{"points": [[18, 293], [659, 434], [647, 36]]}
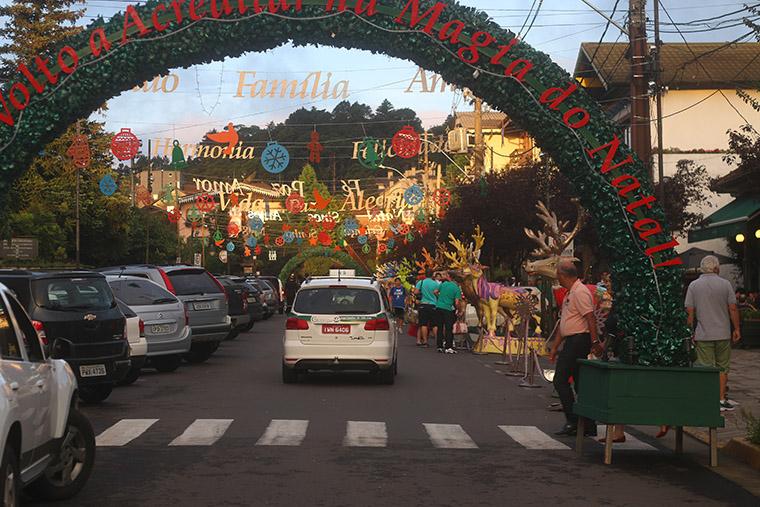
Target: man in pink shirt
{"points": [[577, 330]]}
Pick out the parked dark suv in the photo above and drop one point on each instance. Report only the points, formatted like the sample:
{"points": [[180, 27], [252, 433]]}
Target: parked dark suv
{"points": [[78, 311], [237, 304]]}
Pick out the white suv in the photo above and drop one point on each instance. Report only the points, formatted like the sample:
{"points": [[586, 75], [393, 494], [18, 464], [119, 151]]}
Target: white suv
{"points": [[45, 442], [340, 324]]}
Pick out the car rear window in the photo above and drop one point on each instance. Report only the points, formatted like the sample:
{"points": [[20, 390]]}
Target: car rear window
{"points": [[337, 301], [189, 282], [72, 293], [141, 293]]}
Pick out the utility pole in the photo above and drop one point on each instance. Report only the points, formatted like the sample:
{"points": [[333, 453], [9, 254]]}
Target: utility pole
{"points": [[480, 157], [641, 135], [79, 264], [658, 95]]}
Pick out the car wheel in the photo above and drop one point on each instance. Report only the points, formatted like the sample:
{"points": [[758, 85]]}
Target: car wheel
{"points": [[289, 375], [387, 377], [131, 378], [200, 352], [166, 364], [95, 394], [71, 468], [10, 478]]}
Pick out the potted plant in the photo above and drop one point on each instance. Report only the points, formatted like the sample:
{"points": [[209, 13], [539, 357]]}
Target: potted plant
{"points": [[750, 328]]}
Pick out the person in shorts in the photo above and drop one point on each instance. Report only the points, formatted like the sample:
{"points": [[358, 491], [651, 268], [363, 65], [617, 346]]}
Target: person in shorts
{"points": [[398, 295], [711, 305], [427, 316]]}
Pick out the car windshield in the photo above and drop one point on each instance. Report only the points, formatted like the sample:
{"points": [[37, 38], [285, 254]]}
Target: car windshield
{"points": [[188, 282], [337, 301], [73, 294], [141, 293]]}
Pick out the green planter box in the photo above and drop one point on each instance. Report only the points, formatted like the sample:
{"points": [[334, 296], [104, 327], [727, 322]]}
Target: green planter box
{"points": [[614, 393], [750, 333]]}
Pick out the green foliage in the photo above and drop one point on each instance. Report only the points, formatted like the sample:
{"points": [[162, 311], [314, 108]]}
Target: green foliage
{"points": [[688, 187], [753, 426]]}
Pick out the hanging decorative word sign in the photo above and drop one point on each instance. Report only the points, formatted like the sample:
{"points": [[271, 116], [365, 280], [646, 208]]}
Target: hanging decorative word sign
{"points": [[272, 255]]}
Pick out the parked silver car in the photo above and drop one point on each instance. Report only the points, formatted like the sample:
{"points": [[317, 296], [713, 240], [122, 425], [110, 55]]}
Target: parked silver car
{"points": [[204, 298], [164, 316]]}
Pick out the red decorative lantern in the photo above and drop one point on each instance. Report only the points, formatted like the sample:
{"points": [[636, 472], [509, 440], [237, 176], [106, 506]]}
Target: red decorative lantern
{"points": [[174, 215], [233, 229], [257, 250], [279, 241], [324, 239], [406, 142], [125, 145], [328, 223]]}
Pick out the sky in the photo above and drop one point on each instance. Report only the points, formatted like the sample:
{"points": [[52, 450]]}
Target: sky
{"points": [[204, 97]]}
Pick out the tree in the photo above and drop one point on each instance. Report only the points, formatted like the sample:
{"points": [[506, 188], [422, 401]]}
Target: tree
{"points": [[34, 28], [687, 192]]}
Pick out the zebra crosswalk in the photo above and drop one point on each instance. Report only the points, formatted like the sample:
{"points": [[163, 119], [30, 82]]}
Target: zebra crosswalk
{"points": [[361, 434]]}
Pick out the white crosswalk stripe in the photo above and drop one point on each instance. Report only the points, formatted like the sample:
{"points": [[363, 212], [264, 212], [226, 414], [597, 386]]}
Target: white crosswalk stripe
{"points": [[449, 436], [631, 443], [202, 432], [531, 437], [365, 434], [284, 432], [123, 432]]}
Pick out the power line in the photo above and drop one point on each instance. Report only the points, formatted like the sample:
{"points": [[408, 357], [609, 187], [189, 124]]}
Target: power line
{"points": [[606, 28]]}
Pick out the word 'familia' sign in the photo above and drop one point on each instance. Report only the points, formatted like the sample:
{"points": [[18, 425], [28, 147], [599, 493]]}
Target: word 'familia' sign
{"points": [[479, 49]]}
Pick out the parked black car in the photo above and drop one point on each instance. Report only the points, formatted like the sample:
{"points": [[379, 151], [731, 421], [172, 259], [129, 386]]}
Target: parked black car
{"points": [[77, 312], [237, 298], [256, 308]]}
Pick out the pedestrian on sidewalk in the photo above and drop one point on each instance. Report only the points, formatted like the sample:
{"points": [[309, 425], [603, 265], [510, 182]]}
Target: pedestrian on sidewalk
{"points": [[447, 308], [577, 332], [291, 289], [398, 295], [711, 303], [426, 290]]}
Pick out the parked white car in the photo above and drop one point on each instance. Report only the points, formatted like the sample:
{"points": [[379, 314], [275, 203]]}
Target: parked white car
{"points": [[47, 445], [138, 345], [341, 324]]}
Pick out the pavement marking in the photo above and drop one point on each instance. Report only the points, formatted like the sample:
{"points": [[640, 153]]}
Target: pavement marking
{"points": [[531, 437], [284, 432], [123, 432], [631, 443], [365, 434], [449, 436], [202, 432]]}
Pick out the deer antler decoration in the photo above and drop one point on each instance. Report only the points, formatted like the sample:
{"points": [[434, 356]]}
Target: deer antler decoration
{"points": [[554, 238]]}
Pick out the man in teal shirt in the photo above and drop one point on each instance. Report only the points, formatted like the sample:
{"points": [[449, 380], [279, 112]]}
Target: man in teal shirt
{"points": [[426, 289], [447, 306]]}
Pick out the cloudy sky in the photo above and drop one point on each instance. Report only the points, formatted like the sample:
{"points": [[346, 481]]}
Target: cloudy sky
{"points": [[204, 97]]}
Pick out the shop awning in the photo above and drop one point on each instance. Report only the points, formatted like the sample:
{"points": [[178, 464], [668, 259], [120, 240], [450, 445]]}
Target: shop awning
{"points": [[727, 221]]}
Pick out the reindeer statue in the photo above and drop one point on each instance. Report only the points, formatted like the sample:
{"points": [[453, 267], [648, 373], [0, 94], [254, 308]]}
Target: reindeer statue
{"points": [[552, 241], [490, 299]]}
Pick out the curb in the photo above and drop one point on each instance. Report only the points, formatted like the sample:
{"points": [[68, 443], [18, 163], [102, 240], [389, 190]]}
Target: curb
{"points": [[743, 450], [738, 448]]}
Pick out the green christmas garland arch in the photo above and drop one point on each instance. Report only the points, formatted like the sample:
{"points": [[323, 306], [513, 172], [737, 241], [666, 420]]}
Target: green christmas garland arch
{"points": [[310, 253], [648, 300]]}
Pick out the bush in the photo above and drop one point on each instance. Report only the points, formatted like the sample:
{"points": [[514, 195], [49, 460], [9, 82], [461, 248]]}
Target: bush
{"points": [[753, 426]]}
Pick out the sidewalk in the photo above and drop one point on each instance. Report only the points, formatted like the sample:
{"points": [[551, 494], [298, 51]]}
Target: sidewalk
{"points": [[744, 393]]}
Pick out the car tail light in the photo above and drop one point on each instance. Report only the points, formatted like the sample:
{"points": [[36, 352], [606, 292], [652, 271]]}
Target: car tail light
{"points": [[245, 300], [221, 287], [187, 316], [167, 281], [40, 331], [295, 324], [142, 328], [377, 325], [125, 333]]}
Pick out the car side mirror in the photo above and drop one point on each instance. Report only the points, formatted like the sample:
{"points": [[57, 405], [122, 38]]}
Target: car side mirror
{"points": [[60, 349]]}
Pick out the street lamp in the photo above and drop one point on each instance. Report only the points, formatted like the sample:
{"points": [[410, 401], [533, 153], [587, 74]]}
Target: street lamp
{"points": [[757, 234], [740, 238]]}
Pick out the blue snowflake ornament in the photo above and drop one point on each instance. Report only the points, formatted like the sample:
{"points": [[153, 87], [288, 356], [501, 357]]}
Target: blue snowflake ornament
{"points": [[108, 185], [275, 158], [414, 195]]}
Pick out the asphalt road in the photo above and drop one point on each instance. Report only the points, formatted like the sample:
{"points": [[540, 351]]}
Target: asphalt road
{"points": [[228, 432]]}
